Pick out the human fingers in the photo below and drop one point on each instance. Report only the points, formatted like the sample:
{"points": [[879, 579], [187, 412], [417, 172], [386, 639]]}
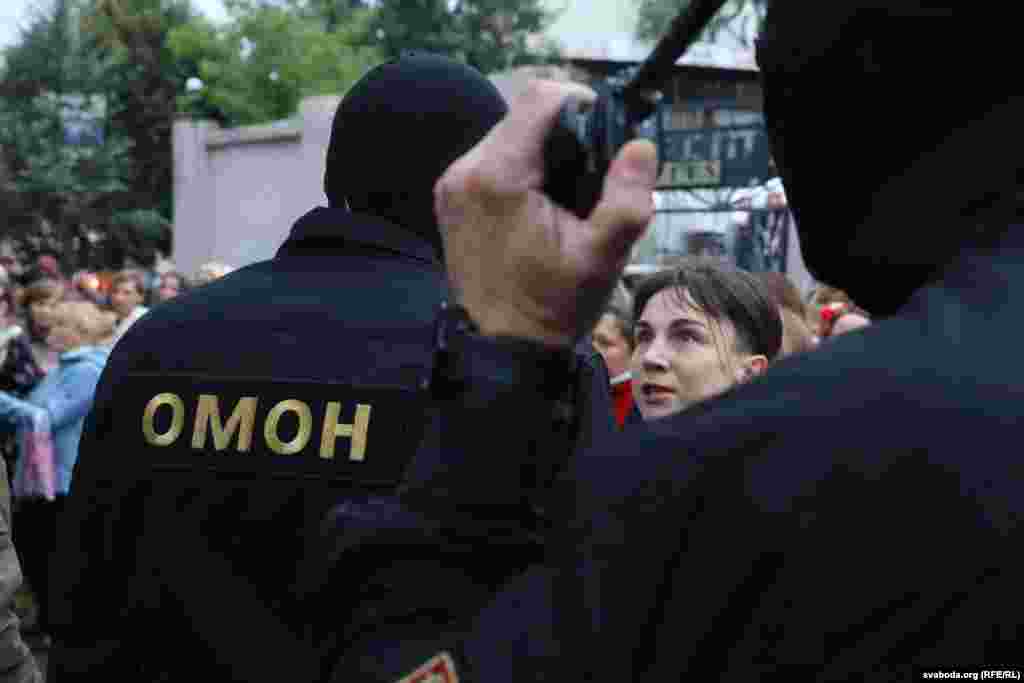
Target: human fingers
{"points": [[627, 203], [533, 115], [510, 158]]}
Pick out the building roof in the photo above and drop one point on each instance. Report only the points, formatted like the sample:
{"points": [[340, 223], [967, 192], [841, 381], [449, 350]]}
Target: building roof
{"points": [[605, 30]]}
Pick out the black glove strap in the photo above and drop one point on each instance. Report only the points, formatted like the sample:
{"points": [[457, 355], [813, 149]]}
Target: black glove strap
{"points": [[484, 370], [462, 356]]}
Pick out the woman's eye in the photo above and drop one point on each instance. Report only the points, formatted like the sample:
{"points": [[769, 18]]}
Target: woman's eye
{"points": [[687, 336]]}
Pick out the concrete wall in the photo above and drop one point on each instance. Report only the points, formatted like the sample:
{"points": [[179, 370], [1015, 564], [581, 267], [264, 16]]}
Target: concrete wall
{"points": [[237, 192]]}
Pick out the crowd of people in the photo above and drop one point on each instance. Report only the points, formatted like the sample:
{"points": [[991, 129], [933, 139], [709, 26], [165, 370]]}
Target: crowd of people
{"points": [[56, 332]]}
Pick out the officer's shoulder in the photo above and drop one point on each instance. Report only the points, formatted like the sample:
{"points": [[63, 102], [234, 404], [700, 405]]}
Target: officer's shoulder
{"points": [[212, 301]]}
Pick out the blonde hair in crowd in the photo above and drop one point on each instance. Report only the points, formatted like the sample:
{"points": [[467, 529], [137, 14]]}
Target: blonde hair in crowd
{"points": [[95, 325]]}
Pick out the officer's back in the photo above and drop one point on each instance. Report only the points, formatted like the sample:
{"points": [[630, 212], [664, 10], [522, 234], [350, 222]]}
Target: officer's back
{"points": [[229, 420]]}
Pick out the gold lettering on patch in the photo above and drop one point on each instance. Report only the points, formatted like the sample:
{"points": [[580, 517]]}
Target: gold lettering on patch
{"points": [[305, 427], [177, 419], [356, 431], [208, 415]]}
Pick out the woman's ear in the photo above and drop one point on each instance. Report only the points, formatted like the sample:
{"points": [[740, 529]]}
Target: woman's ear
{"points": [[751, 367]]}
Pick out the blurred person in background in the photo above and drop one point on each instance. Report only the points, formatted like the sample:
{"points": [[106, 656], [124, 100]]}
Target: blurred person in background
{"points": [[168, 286], [699, 329], [128, 291], [19, 371], [210, 271], [797, 335], [46, 267], [37, 301], [49, 424], [106, 278], [85, 286], [613, 339], [833, 312]]}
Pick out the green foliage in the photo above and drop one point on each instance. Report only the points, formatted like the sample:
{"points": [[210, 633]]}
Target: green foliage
{"points": [[84, 202], [331, 14], [267, 59], [148, 224], [142, 82], [734, 19], [492, 35], [99, 204]]}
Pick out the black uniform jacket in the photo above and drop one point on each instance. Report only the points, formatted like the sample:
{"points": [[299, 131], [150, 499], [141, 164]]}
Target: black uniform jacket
{"points": [[852, 515], [227, 423], [462, 528]]}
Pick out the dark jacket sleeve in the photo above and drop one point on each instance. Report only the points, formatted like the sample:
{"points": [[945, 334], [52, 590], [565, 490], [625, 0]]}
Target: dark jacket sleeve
{"points": [[89, 617], [503, 442], [477, 511]]}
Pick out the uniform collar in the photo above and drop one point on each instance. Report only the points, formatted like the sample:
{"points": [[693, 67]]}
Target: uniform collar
{"points": [[328, 229]]}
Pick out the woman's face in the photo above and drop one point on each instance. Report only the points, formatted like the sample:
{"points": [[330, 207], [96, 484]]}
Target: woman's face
{"points": [[681, 356], [41, 312]]}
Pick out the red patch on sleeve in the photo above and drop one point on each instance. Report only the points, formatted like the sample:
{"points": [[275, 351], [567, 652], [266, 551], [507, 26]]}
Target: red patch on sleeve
{"points": [[440, 669]]}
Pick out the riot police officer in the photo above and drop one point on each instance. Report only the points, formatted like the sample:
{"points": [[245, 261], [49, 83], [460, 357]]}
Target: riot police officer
{"points": [[855, 514], [229, 420]]}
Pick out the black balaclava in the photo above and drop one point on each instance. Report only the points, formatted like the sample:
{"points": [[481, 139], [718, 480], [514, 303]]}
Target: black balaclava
{"points": [[398, 129], [892, 142]]}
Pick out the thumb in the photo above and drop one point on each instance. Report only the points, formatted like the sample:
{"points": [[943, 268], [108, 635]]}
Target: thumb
{"points": [[627, 203]]}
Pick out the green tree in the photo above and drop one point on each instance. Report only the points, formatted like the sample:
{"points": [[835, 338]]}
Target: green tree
{"points": [[59, 193], [331, 13], [492, 35], [270, 56], [738, 19], [142, 82]]}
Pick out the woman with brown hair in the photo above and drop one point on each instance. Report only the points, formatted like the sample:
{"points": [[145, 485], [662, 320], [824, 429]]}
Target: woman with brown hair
{"points": [[797, 335], [38, 300], [699, 329]]}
